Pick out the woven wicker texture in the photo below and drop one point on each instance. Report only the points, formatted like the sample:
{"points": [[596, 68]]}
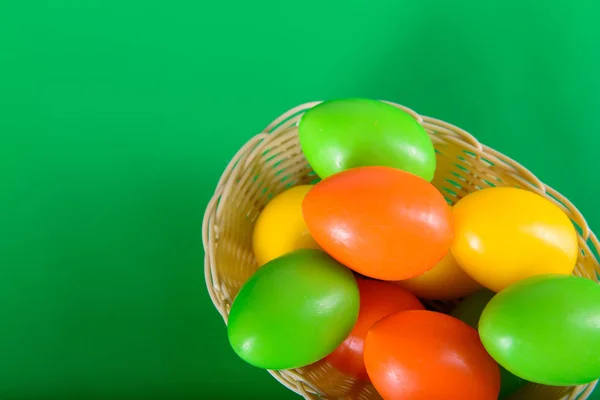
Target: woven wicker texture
{"points": [[272, 161]]}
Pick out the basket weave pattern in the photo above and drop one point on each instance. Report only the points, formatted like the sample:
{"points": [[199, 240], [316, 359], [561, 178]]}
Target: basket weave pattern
{"points": [[272, 161]]}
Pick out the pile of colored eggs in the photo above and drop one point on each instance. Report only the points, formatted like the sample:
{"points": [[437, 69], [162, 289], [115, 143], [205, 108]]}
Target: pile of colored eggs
{"points": [[346, 263]]}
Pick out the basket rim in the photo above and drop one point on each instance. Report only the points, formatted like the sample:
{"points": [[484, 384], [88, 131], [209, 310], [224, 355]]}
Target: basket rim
{"points": [[293, 380]]}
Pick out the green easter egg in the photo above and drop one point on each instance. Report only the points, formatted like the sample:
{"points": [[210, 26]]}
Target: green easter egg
{"points": [[469, 310], [293, 311], [340, 134], [546, 329]]}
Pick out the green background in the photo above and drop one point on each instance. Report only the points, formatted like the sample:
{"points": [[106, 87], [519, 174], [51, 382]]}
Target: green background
{"points": [[117, 117]]}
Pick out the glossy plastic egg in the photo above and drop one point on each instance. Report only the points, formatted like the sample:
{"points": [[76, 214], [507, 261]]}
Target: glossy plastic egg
{"points": [[470, 308], [377, 300], [417, 355], [503, 235], [293, 311], [546, 329], [379, 221], [340, 134], [444, 282], [469, 311], [280, 227]]}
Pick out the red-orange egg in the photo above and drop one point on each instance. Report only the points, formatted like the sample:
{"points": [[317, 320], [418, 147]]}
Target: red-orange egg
{"points": [[381, 222], [423, 355], [377, 300]]}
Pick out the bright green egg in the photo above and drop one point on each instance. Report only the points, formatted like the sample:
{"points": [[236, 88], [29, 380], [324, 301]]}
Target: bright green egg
{"points": [[340, 134], [293, 311], [546, 329]]}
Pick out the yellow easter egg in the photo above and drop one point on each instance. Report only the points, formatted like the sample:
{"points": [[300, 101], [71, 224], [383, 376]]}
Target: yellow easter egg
{"points": [[280, 227], [445, 281], [503, 235]]}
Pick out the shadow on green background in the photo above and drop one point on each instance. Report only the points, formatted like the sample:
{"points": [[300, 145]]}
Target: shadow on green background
{"points": [[117, 118]]}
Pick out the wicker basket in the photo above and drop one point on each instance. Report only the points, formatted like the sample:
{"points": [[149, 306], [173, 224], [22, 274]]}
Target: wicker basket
{"points": [[272, 161]]}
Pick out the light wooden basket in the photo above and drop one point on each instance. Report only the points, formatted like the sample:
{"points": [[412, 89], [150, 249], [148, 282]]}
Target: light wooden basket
{"points": [[272, 161]]}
